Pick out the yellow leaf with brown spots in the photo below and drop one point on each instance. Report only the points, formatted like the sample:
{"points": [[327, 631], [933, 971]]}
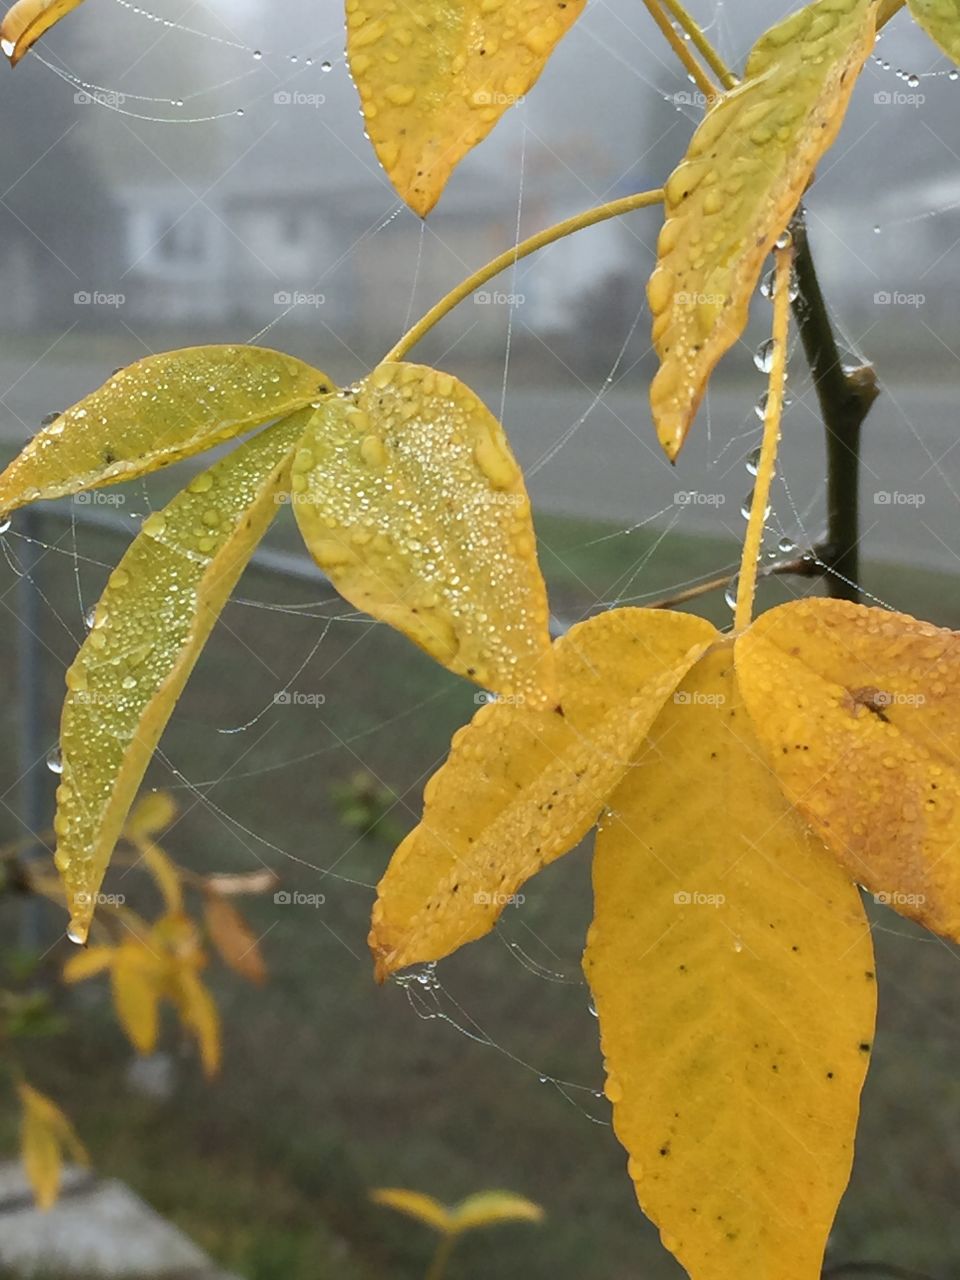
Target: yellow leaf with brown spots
{"points": [[521, 787], [745, 170], [408, 496], [859, 713], [731, 968], [435, 76], [27, 20]]}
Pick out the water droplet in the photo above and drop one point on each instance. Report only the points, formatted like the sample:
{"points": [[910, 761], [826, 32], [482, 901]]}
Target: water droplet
{"points": [[592, 1010], [876, 229], [55, 760], [753, 461], [257, 55], [760, 408], [738, 945], [730, 595], [786, 545], [76, 934], [239, 111], [913, 81], [326, 66], [954, 75], [5, 522], [89, 617], [763, 356]]}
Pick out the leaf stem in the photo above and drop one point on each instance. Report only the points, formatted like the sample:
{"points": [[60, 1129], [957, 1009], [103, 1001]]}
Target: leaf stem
{"points": [[845, 397], [438, 1266], [588, 218], [679, 47], [747, 584], [700, 40]]}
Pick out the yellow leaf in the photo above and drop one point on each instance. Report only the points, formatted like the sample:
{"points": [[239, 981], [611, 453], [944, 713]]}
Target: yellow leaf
{"points": [[522, 787], [487, 1208], [138, 975], [156, 412], [416, 1205], [44, 1135], [164, 872], [235, 941], [732, 971], [150, 626], [27, 20], [152, 813], [408, 496], [434, 79], [199, 1015], [87, 963], [940, 19], [747, 166], [859, 712]]}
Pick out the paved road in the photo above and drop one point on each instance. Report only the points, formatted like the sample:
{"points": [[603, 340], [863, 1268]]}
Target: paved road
{"points": [[608, 464]]}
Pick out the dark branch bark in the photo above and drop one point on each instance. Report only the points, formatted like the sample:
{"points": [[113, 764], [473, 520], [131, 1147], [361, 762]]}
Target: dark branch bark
{"points": [[845, 397]]}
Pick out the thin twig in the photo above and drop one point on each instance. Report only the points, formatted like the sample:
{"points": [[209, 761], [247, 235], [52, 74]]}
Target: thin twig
{"points": [[680, 48]]}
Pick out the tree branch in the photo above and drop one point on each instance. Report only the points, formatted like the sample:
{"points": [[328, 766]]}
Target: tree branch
{"points": [[845, 397]]}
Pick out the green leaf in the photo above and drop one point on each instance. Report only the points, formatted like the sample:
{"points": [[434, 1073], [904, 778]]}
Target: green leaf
{"points": [[408, 496], [940, 19], [150, 626], [156, 412]]}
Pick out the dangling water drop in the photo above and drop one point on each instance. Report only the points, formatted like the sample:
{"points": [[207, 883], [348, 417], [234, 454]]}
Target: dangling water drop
{"points": [[786, 545], [760, 408], [730, 595], [753, 461], [5, 522], [326, 66], [763, 356], [913, 81], [257, 55], [55, 760], [76, 934]]}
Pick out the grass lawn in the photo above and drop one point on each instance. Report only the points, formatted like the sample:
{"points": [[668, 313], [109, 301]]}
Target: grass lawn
{"points": [[331, 1085]]}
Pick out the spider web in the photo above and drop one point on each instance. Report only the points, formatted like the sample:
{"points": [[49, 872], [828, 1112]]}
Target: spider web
{"points": [[590, 447]]}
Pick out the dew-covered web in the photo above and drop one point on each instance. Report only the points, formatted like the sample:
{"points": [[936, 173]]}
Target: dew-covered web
{"points": [[590, 453]]}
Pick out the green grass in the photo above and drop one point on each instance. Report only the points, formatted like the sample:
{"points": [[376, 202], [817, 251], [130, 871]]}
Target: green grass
{"points": [[333, 1086]]}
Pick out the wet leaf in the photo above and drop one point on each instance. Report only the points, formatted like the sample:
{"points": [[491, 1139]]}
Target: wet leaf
{"points": [[150, 626], [940, 19], [732, 971], [27, 20], [45, 1135], [236, 942], [434, 78], [521, 787], [859, 713], [156, 412], [409, 498], [747, 166], [416, 1205]]}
